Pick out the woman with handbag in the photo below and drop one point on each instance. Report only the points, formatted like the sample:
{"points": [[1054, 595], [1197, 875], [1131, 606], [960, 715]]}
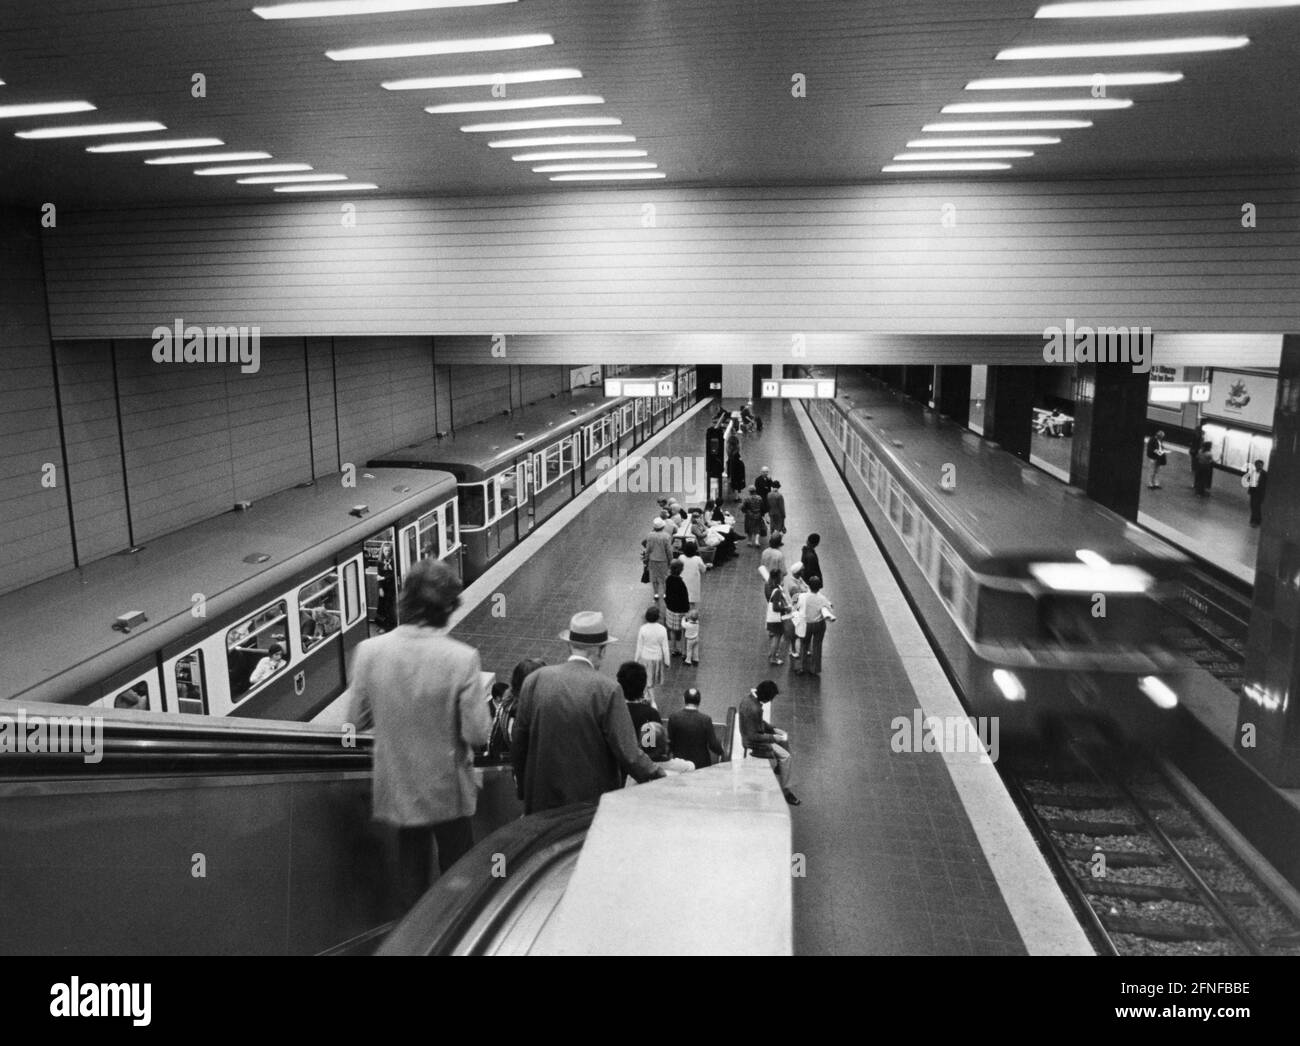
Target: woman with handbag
{"points": [[779, 611], [1158, 457]]}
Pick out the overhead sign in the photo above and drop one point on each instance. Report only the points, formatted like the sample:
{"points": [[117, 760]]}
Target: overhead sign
{"points": [[648, 388], [798, 388], [1175, 392]]}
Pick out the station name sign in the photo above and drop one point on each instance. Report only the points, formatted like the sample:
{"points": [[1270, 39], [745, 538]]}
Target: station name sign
{"points": [[640, 387], [799, 388]]}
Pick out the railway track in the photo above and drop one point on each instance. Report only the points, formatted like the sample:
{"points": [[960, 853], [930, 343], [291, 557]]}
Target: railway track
{"points": [[1213, 619], [1148, 875]]}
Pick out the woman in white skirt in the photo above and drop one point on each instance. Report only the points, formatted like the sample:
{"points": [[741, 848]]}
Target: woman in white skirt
{"points": [[652, 651]]}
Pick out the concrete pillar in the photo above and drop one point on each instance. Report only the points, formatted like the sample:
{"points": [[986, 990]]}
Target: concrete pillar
{"points": [[737, 381], [952, 397], [1110, 419], [918, 382], [1268, 714], [1009, 408]]}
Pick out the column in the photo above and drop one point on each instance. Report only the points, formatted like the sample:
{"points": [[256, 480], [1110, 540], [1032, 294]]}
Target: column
{"points": [[1009, 408], [952, 398], [1110, 421], [1268, 714]]}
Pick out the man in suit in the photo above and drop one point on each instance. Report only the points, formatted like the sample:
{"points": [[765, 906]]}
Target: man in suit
{"points": [[760, 737], [573, 739], [691, 734]]}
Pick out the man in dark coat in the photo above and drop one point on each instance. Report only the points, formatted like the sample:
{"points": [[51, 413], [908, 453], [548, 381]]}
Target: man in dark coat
{"points": [[812, 565], [776, 508], [573, 739], [691, 734], [760, 737]]}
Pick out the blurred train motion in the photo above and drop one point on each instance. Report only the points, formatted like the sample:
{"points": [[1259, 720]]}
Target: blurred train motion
{"points": [[1044, 605], [254, 613]]}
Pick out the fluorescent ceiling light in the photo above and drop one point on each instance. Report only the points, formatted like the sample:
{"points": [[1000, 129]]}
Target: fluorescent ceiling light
{"points": [[556, 168], [207, 158], [631, 176], [342, 8], [560, 139], [1046, 105], [541, 125], [1124, 48], [515, 103], [1009, 125], [1127, 8], [256, 168], [276, 179], [335, 187], [579, 154], [1028, 83], [144, 147], [971, 154], [433, 83], [90, 130], [890, 168], [436, 47], [976, 143], [45, 109]]}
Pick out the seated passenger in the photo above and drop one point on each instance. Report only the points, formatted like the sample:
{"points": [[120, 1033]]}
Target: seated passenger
{"points": [[327, 622], [137, 698], [760, 738], [268, 666], [690, 733]]}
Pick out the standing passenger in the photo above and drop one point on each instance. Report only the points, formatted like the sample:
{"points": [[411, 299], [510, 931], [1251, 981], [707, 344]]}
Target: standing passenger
{"points": [[736, 473], [652, 650], [1157, 456], [420, 690], [1204, 469], [776, 508], [816, 612], [812, 565], [573, 738], [1255, 481], [658, 554], [677, 601], [693, 568]]}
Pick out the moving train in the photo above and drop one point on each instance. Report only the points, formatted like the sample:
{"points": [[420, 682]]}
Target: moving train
{"points": [[187, 622], [1044, 604]]}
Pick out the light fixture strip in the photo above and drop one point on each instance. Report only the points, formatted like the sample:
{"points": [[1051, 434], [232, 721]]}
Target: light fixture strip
{"points": [[437, 83], [441, 47]]}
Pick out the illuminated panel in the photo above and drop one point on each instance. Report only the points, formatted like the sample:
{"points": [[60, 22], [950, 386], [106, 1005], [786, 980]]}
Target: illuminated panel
{"points": [[798, 388], [1169, 392], [613, 387], [639, 388], [1201, 393]]}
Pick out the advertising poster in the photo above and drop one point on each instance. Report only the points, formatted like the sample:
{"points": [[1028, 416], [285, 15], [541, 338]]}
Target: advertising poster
{"points": [[1242, 398]]}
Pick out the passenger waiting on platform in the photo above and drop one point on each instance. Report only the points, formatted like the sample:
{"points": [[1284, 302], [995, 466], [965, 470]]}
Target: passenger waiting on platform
{"points": [[421, 691], [1158, 457], [752, 508], [1197, 441], [773, 557], [763, 485], [631, 676], [795, 590], [503, 724], [691, 734], [736, 473], [760, 738], [691, 637], [658, 554], [812, 565], [1255, 481], [779, 611], [1204, 469], [817, 610], [268, 666], [677, 602], [573, 738], [776, 508], [693, 569], [652, 650]]}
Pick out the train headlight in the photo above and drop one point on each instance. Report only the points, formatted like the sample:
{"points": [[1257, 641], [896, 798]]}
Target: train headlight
{"points": [[1010, 685], [1158, 692]]}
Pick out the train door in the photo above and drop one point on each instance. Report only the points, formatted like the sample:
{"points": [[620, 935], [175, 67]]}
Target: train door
{"points": [[137, 688], [355, 616], [523, 486], [378, 552], [195, 680]]}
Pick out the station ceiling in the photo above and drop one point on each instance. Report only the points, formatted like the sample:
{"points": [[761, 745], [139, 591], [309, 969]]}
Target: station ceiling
{"points": [[706, 87]]}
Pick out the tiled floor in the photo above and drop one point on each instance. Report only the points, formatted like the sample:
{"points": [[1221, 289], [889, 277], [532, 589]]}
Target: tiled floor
{"points": [[892, 866]]}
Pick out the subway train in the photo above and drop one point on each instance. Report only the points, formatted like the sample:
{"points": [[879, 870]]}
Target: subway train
{"points": [[186, 622], [1045, 606], [516, 471]]}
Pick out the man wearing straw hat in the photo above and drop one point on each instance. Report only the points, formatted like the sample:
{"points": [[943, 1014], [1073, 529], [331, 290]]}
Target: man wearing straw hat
{"points": [[573, 739]]}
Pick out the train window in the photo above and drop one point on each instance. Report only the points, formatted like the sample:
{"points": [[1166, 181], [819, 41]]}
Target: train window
{"points": [[947, 577], [450, 529], [553, 471], [924, 544], [1006, 616], [319, 616], [473, 506], [507, 492], [568, 455], [908, 527], [895, 504], [410, 546], [191, 684], [257, 648], [873, 474], [135, 697], [430, 540], [351, 591]]}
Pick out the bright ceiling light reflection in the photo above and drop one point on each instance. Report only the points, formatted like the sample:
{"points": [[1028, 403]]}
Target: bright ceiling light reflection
{"points": [[207, 158], [579, 154], [516, 103], [560, 139], [556, 168], [629, 177], [976, 143], [1125, 48], [45, 109], [335, 187], [893, 168], [434, 83], [970, 154], [1045, 105], [1028, 83], [278, 179], [1129, 8], [144, 147], [257, 168], [91, 130], [1008, 125], [436, 47], [344, 8], [541, 125]]}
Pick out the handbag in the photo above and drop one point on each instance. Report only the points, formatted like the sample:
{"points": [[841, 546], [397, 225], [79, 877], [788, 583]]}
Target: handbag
{"points": [[645, 574]]}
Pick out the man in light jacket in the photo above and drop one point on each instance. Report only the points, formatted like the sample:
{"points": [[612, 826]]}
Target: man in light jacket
{"points": [[422, 692]]}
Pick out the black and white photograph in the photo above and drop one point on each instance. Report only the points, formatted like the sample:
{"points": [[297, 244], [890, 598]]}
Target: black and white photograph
{"points": [[650, 478]]}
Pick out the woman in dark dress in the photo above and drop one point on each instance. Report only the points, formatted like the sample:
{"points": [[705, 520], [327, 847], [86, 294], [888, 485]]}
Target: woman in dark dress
{"points": [[736, 474]]}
